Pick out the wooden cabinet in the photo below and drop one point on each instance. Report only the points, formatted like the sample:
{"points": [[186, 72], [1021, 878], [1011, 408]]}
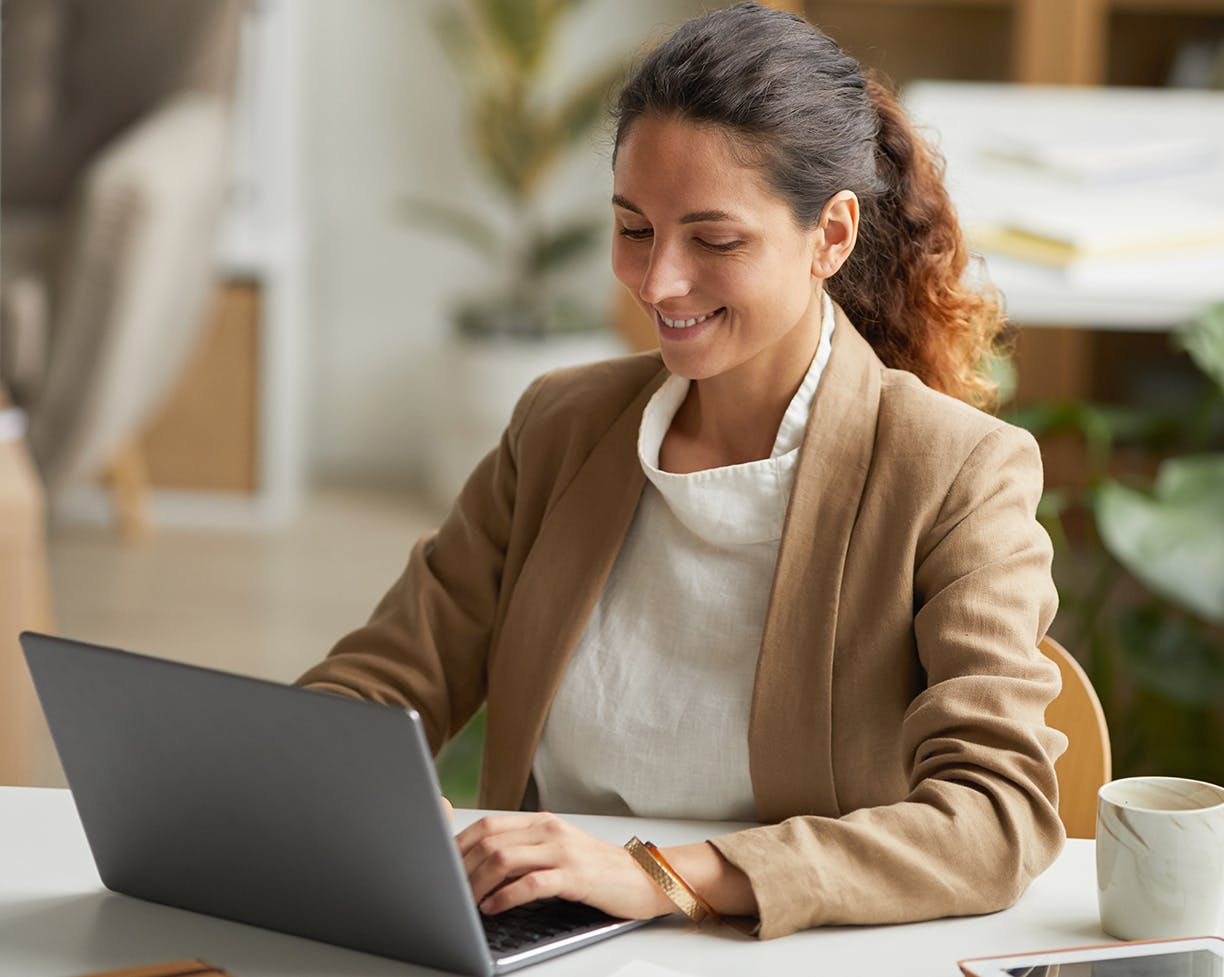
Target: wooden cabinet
{"points": [[206, 436], [1065, 42]]}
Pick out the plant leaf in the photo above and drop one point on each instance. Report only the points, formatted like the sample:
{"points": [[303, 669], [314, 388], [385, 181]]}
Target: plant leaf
{"points": [[501, 134], [458, 40], [458, 223], [1170, 656], [459, 763], [1052, 504], [1173, 540], [586, 107], [590, 103], [553, 250], [1061, 417], [1204, 341], [521, 29], [1002, 370], [1068, 417]]}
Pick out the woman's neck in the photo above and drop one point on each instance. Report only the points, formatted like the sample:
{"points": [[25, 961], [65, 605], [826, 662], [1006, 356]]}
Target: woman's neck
{"points": [[733, 418]]}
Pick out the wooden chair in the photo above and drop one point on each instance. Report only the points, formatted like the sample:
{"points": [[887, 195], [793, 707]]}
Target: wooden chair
{"points": [[1087, 764]]}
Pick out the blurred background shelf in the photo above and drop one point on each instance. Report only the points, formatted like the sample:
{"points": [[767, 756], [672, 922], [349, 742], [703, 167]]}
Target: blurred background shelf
{"points": [[1085, 42], [1061, 348]]}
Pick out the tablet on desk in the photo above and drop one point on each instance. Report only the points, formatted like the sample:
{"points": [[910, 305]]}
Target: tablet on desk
{"points": [[1198, 957]]}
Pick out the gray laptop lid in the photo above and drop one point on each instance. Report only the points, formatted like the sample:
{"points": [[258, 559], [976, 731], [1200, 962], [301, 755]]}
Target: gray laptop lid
{"points": [[293, 810]]}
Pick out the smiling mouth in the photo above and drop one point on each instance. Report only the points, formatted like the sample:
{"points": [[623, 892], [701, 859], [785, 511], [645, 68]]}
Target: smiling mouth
{"points": [[686, 323]]}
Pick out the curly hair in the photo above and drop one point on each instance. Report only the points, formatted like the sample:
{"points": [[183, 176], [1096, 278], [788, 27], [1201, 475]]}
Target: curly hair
{"points": [[817, 124]]}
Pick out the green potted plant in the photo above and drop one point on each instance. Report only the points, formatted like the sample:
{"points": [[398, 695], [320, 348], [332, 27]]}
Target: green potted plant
{"points": [[521, 129], [533, 312], [519, 134], [1143, 587]]}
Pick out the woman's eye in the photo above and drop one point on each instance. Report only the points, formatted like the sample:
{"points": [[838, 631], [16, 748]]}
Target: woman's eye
{"points": [[724, 246], [635, 233]]}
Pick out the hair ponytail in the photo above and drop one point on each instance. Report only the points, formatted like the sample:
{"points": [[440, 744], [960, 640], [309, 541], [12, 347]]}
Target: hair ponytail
{"points": [[904, 287], [817, 126]]}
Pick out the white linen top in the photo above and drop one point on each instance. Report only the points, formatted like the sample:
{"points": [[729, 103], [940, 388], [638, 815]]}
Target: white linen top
{"points": [[651, 715]]}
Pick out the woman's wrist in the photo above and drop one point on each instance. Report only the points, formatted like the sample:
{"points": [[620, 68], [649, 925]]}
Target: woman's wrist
{"points": [[651, 860], [725, 888]]}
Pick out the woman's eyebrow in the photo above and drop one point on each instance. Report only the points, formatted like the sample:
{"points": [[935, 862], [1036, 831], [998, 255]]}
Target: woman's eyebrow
{"points": [[697, 217], [701, 216], [624, 204]]}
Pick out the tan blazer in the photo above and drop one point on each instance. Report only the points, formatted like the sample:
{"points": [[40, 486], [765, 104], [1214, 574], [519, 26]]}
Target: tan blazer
{"points": [[897, 746]]}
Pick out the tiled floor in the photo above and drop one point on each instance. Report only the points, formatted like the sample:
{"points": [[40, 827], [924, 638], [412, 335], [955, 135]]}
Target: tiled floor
{"points": [[267, 605]]}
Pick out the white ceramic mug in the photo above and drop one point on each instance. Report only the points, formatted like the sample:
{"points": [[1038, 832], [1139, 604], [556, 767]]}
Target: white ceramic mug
{"points": [[1160, 858]]}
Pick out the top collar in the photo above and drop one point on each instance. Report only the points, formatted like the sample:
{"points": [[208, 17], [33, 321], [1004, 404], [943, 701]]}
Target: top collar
{"points": [[734, 504]]}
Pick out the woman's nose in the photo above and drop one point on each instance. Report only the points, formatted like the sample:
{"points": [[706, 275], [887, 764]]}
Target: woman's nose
{"points": [[665, 276]]}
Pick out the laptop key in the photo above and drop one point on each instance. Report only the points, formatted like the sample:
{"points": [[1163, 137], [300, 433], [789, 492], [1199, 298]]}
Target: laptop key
{"points": [[539, 923]]}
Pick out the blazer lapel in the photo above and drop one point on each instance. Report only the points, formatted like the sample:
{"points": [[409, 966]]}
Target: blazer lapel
{"points": [[560, 582], [790, 727]]}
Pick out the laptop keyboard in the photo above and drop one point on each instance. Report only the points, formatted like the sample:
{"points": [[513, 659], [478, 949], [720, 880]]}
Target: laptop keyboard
{"points": [[540, 923]]}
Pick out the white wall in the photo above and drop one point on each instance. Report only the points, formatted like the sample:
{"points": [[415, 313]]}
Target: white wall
{"points": [[382, 118]]}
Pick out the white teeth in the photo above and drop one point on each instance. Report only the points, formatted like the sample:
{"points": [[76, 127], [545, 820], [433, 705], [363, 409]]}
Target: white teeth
{"points": [[685, 323]]}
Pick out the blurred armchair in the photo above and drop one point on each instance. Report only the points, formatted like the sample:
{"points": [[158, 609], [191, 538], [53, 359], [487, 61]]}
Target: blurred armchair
{"points": [[115, 125]]}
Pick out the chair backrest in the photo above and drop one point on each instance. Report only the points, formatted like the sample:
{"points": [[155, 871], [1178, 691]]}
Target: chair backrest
{"points": [[1087, 764]]}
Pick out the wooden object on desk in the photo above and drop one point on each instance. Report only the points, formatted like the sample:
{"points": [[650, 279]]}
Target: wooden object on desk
{"points": [[25, 602], [206, 436], [180, 968]]}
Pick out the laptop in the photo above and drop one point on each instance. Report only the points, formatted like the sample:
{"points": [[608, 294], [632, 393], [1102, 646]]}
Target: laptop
{"points": [[289, 809]]}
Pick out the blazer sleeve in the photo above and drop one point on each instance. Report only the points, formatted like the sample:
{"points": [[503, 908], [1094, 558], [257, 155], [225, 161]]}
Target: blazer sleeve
{"points": [[980, 820], [426, 644]]}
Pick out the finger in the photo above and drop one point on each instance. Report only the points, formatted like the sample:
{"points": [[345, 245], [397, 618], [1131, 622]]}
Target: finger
{"points": [[516, 832], [449, 808], [490, 824], [502, 852], [494, 825], [540, 884], [508, 864]]}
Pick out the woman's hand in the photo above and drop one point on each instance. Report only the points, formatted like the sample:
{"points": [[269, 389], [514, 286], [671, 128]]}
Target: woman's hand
{"points": [[512, 859]]}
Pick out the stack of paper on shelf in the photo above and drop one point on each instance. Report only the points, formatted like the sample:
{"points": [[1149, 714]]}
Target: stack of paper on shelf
{"points": [[1094, 239], [1097, 211], [1107, 157]]}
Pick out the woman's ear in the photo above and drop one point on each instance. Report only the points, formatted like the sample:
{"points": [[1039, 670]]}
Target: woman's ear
{"points": [[836, 234]]}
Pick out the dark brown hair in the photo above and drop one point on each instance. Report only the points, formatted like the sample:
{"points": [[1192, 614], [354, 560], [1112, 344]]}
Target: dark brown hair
{"points": [[816, 125]]}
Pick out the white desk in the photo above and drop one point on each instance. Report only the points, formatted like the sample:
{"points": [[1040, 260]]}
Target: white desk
{"points": [[962, 119], [56, 920]]}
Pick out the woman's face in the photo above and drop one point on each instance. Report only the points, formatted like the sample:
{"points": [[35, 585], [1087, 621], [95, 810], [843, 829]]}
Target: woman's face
{"points": [[713, 256]]}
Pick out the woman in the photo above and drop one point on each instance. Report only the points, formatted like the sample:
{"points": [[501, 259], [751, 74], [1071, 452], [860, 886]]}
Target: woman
{"points": [[776, 576]]}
